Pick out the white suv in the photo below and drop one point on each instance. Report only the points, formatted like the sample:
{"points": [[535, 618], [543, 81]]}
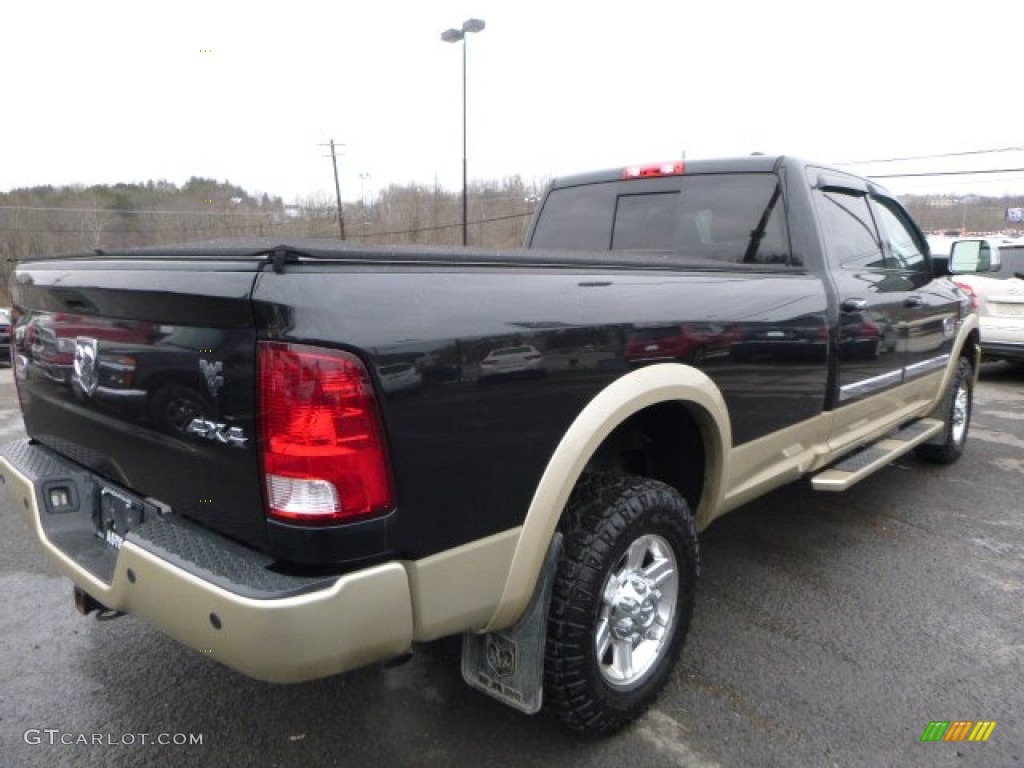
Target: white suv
{"points": [[997, 289]]}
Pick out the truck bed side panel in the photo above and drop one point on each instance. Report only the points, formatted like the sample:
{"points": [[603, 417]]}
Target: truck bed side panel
{"points": [[483, 370]]}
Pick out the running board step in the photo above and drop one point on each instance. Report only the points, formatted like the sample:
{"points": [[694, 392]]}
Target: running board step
{"points": [[873, 457]]}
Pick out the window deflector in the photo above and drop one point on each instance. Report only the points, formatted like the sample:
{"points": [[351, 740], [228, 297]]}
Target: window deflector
{"points": [[850, 185]]}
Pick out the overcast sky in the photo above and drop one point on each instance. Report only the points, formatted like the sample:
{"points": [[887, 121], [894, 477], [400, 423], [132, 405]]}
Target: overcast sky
{"points": [[122, 90]]}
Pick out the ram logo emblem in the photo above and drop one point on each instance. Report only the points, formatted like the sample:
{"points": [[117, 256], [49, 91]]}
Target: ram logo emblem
{"points": [[501, 655], [87, 375]]}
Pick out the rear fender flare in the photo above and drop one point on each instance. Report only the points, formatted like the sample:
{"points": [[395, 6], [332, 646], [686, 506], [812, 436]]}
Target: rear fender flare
{"points": [[664, 382], [967, 345]]}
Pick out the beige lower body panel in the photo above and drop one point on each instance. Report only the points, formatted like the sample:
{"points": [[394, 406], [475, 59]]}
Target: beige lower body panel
{"points": [[761, 465], [862, 422], [755, 468], [362, 617], [458, 590]]}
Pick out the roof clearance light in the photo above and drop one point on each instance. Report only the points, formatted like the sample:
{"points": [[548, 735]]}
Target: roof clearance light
{"points": [[653, 171]]}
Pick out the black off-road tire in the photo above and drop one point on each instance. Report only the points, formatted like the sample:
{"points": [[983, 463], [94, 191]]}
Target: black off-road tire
{"points": [[607, 517], [956, 409]]}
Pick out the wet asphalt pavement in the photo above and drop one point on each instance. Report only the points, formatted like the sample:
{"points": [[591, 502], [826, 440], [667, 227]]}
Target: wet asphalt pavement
{"points": [[830, 630]]}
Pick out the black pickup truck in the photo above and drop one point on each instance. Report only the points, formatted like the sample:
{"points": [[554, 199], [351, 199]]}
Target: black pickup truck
{"points": [[307, 456]]}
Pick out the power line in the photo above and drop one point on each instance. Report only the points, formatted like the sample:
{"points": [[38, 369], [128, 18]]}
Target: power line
{"points": [[441, 226], [944, 173], [483, 201], [934, 157], [974, 182], [284, 224], [134, 212], [145, 231]]}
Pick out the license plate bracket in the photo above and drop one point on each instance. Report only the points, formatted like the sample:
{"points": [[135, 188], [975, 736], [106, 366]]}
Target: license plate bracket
{"points": [[118, 513]]}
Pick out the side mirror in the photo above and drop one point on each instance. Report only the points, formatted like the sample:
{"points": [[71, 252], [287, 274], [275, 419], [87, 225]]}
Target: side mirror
{"points": [[967, 256]]}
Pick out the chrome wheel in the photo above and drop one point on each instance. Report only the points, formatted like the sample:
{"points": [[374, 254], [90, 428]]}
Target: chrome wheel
{"points": [[621, 601], [637, 611], [961, 410], [955, 411]]}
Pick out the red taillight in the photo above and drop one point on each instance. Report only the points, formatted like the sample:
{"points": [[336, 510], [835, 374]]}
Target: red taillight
{"points": [[970, 293], [324, 456], [652, 171]]}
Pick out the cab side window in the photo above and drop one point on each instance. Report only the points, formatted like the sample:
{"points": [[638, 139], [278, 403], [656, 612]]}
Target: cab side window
{"points": [[904, 250], [851, 239]]}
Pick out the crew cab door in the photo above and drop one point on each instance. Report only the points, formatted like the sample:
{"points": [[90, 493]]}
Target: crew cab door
{"points": [[895, 322], [868, 334], [929, 314]]}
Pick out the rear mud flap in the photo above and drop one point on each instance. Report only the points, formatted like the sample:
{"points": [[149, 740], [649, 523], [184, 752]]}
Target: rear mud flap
{"points": [[509, 665]]}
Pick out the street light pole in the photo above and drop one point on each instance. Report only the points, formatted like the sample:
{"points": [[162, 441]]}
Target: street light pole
{"points": [[363, 177], [465, 169], [454, 36]]}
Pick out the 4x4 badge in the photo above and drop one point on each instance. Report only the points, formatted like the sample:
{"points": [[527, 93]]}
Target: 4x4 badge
{"points": [[87, 376], [217, 432]]}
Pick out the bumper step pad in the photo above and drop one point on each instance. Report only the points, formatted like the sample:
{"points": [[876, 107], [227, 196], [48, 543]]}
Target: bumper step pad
{"points": [[194, 549]]}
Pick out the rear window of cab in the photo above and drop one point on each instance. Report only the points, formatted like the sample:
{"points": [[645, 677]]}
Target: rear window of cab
{"points": [[735, 218]]}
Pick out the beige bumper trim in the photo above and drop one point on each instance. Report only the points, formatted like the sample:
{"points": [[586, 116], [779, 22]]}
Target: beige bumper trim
{"points": [[361, 618]]}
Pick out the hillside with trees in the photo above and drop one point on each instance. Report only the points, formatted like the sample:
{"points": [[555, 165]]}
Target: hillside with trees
{"points": [[46, 221]]}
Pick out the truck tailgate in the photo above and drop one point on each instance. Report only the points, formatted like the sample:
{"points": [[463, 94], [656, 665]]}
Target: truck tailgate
{"points": [[143, 371]]}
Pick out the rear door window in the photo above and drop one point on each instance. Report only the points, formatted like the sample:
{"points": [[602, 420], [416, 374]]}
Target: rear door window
{"points": [[851, 239]]}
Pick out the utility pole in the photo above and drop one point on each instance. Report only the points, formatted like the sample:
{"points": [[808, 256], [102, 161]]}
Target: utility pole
{"points": [[337, 189]]}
